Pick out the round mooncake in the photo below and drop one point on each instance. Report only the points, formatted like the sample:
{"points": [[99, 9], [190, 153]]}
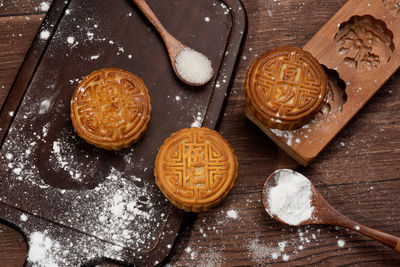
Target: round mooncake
{"points": [[285, 88], [195, 168], [111, 109]]}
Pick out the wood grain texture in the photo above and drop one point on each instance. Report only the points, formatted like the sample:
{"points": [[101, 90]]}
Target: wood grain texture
{"points": [[23, 7], [12, 247], [16, 35], [358, 173]]}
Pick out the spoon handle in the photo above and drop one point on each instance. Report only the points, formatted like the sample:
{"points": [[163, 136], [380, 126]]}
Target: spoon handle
{"points": [[385, 238], [148, 12]]}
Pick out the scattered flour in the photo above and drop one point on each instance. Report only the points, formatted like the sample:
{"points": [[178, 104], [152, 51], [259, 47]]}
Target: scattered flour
{"points": [[49, 250], [193, 66], [71, 40], [260, 252], [341, 243], [44, 6], [44, 106], [23, 218], [197, 120], [232, 214], [290, 199], [90, 35], [43, 251], [210, 258], [288, 135], [44, 35], [285, 257]]}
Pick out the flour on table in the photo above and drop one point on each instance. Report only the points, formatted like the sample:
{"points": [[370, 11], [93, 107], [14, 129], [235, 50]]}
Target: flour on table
{"points": [[232, 214], [262, 252], [70, 40], [44, 6], [341, 243], [44, 106], [197, 120], [44, 34], [23, 218], [288, 135], [43, 251]]}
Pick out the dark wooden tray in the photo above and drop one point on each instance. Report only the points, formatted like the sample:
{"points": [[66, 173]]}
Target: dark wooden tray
{"points": [[93, 203]]}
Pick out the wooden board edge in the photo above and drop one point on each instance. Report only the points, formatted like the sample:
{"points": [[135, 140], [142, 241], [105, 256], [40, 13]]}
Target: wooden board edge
{"points": [[28, 67], [303, 161], [228, 64]]}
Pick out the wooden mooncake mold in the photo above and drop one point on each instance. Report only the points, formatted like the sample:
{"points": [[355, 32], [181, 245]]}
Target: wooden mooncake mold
{"points": [[360, 43], [111, 109], [195, 168], [285, 88]]}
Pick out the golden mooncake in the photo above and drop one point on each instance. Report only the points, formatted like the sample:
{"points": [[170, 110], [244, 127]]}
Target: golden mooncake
{"points": [[195, 168], [111, 109], [285, 88]]}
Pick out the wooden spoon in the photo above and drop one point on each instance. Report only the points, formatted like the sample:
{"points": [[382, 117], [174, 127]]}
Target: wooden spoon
{"points": [[324, 213], [174, 47]]}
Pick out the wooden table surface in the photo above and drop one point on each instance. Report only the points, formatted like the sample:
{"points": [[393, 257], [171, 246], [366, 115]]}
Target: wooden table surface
{"points": [[358, 173]]}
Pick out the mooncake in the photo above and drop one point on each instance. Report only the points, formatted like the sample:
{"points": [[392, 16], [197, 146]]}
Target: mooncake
{"points": [[195, 168], [111, 109], [285, 88]]}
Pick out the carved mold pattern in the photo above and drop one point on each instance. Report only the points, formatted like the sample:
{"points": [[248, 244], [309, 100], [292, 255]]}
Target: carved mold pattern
{"points": [[365, 42], [393, 6], [336, 96]]}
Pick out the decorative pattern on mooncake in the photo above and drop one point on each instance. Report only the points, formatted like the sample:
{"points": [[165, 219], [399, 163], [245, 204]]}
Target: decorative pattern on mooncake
{"points": [[285, 88], [111, 109], [195, 168]]}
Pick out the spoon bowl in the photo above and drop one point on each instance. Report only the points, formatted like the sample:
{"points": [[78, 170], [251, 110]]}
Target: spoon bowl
{"points": [[201, 70], [319, 211]]}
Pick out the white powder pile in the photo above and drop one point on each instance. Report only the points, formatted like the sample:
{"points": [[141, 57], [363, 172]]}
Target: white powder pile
{"points": [[341, 243], [193, 66], [43, 250], [23, 218], [232, 214], [290, 199], [71, 40], [44, 106], [46, 249], [44, 6], [44, 35]]}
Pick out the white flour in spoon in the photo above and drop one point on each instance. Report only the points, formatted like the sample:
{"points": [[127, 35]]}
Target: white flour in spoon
{"points": [[193, 67], [290, 199]]}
